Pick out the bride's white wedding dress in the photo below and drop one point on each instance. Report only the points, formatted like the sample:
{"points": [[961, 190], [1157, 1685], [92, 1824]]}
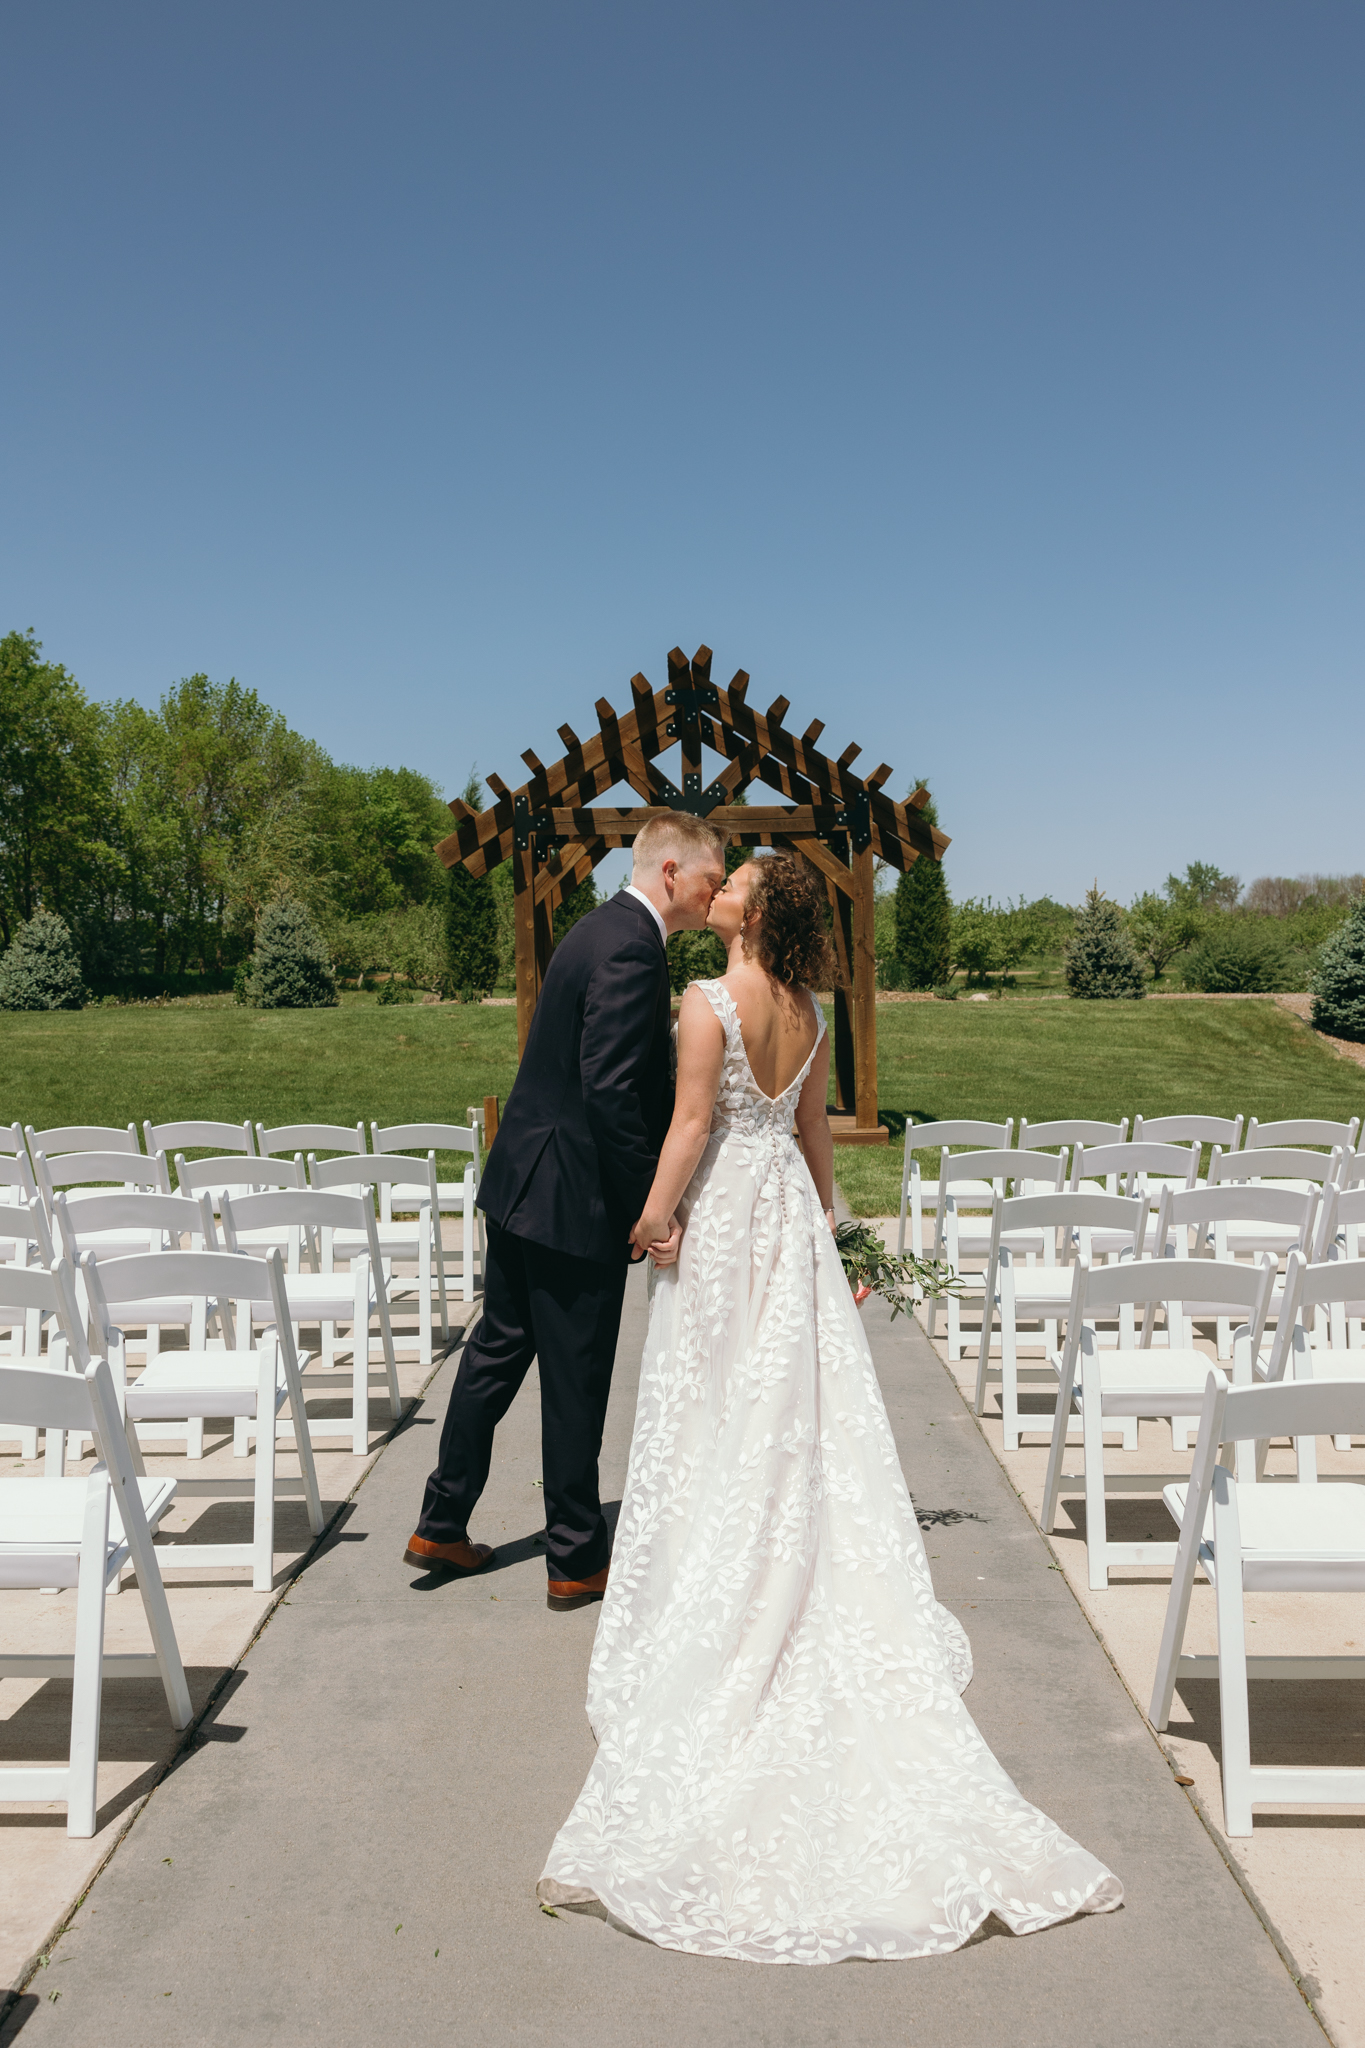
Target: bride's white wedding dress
{"points": [[785, 1772]]}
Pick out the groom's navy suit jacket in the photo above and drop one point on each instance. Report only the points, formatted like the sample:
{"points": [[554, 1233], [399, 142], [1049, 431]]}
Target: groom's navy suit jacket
{"points": [[580, 1139]]}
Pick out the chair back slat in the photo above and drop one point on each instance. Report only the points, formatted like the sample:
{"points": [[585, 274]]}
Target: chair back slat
{"points": [[196, 1132], [427, 1137], [299, 1207], [1070, 1130], [250, 1175], [1302, 1130], [957, 1131], [1185, 1130], [83, 1138], [296, 1138]]}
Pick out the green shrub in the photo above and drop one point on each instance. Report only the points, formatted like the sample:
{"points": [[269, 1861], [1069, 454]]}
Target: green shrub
{"points": [[1101, 961], [471, 965], [1338, 986], [41, 969], [392, 991], [1239, 956], [292, 968], [694, 956], [924, 925]]}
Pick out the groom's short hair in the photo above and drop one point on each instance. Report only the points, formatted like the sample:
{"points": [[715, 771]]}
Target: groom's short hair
{"points": [[677, 835]]}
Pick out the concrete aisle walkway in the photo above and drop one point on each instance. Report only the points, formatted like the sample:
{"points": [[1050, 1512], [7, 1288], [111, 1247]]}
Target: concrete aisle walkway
{"points": [[350, 1855]]}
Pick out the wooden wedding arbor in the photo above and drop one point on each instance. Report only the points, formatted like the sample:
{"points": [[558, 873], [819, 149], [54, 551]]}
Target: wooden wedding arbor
{"points": [[842, 823]]}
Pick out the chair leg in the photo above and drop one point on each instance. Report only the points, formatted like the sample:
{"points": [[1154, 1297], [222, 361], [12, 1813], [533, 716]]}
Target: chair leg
{"points": [[1096, 1522], [263, 1523], [1009, 1378], [1232, 1697], [88, 1664], [984, 1347]]}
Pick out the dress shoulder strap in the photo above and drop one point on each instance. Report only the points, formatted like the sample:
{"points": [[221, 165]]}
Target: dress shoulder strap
{"points": [[721, 1001], [819, 1010]]}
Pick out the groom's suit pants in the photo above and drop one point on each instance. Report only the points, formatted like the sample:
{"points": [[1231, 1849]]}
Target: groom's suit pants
{"points": [[566, 1312]]}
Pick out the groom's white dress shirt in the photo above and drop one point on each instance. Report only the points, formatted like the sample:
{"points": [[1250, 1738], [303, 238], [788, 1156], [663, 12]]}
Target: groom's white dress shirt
{"points": [[640, 897]]}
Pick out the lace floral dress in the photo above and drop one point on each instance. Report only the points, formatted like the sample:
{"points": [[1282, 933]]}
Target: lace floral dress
{"points": [[785, 1772]]}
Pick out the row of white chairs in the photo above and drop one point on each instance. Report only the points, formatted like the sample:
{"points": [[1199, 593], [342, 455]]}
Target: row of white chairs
{"points": [[60, 1531], [77, 1156], [1131, 1295]]}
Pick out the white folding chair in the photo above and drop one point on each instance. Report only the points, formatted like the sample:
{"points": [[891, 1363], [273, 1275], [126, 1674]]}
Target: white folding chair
{"points": [[417, 1238], [1331, 1295], [116, 1226], [77, 1532], [1042, 1293], [82, 1138], [455, 1197], [1303, 1130], [918, 1194], [254, 1381], [327, 1298], [1139, 1381], [1237, 1220], [173, 1138], [245, 1176], [76, 1172], [1255, 1538], [972, 1181], [1189, 1130]]}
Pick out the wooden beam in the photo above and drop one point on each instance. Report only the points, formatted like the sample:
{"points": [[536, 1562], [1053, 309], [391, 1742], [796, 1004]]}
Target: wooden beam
{"points": [[524, 936], [829, 864], [849, 755], [536, 766], [778, 710], [864, 991], [812, 732], [497, 785], [879, 775]]}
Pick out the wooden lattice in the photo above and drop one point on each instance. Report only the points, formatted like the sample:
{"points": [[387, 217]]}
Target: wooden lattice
{"points": [[843, 823]]}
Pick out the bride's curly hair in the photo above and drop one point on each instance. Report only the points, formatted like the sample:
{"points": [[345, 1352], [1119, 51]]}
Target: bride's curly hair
{"points": [[790, 940]]}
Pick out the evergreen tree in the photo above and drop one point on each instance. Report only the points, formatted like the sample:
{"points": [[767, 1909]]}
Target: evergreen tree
{"points": [[471, 923], [1338, 986], [924, 918], [291, 969], [42, 969], [576, 904], [1101, 960]]}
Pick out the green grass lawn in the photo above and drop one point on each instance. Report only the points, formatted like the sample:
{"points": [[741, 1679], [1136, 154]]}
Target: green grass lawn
{"points": [[402, 1063]]}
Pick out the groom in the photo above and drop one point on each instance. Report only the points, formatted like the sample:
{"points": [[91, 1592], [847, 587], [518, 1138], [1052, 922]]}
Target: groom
{"points": [[565, 1183]]}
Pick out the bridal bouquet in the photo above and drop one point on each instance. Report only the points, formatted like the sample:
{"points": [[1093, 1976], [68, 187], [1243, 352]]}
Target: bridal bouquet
{"points": [[872, 1269]]}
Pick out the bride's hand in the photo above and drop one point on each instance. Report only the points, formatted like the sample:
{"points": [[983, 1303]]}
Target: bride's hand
{"points": [[664, 1251]]}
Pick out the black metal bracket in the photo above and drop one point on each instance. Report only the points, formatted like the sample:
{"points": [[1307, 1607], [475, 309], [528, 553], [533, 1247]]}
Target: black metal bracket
{"points": [[856, 818], [537, 826], [689, 700]]}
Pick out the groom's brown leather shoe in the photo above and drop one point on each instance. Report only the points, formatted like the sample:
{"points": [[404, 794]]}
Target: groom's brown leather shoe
{"points": [[463, 1558], [566, 1593]]}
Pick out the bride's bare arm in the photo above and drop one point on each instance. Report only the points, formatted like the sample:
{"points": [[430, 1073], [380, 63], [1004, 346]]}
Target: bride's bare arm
{"points": [[701, 1055], [812, 1121]]}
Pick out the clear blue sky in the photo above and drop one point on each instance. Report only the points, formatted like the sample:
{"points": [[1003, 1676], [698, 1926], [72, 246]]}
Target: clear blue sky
{"points": [[986, 378]]}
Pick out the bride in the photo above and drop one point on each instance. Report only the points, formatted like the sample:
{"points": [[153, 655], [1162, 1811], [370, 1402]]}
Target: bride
{"points": [[785, 1772]]}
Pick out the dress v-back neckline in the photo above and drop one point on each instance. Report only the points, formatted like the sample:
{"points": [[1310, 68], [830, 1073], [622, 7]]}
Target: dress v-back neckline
{"points": [[798, 1077]]}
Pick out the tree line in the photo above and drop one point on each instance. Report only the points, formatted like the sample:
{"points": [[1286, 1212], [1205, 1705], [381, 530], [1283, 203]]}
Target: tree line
{"points": [[1202, 929], [159, 836]]}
